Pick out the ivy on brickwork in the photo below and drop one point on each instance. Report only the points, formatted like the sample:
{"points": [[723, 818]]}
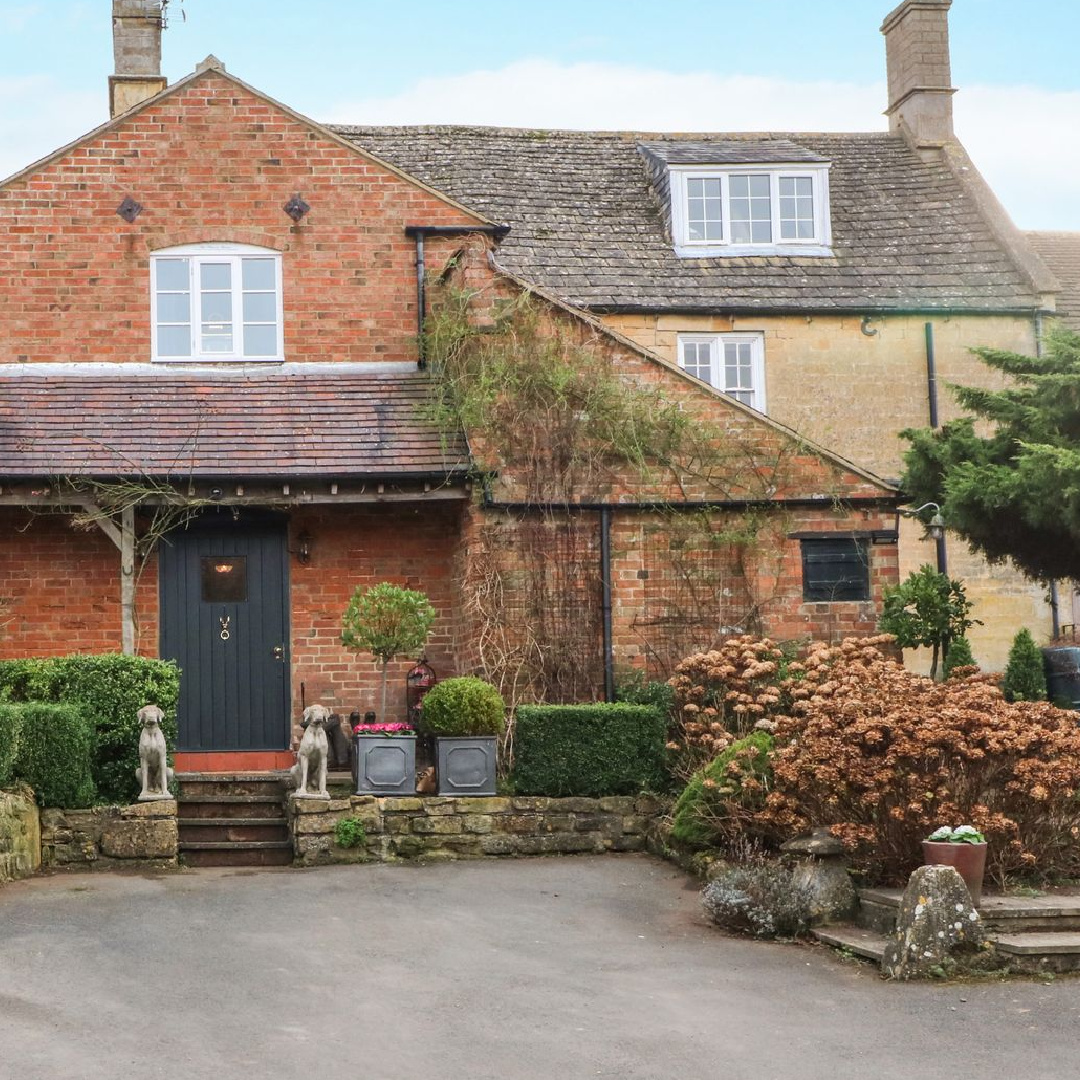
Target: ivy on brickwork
{"points": [[553, 421]]}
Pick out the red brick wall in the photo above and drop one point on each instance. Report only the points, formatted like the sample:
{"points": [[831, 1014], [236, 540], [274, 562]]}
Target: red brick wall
{"points": [[211, 162]]}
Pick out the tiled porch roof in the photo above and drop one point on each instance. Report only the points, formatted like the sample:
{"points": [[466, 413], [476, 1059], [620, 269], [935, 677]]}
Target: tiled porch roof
{"points": [[182, 424]]}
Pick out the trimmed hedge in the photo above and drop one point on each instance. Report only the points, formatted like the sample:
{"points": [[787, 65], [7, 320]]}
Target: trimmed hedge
{"points": [[109, 690], [50, 748], [589, 750], [463, 706]]}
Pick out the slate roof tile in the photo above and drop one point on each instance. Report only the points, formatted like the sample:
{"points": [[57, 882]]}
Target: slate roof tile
{"points": [[588, 213], [1061, 253], [347, 426]]}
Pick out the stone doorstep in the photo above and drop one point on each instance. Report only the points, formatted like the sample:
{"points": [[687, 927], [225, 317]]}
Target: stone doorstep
{"points": [[865, 943], [1061, 943], [1010, 913]]}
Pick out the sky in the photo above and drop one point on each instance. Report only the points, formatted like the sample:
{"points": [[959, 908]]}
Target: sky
{"points": [[661, 65]]}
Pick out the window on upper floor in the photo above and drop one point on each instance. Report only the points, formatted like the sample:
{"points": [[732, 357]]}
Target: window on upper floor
{"points": [[750, 210], [216, 302], [835, 569], [734, 363]]}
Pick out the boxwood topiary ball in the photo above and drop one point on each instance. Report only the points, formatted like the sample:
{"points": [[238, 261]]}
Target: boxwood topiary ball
{"points": [[464, 706]]}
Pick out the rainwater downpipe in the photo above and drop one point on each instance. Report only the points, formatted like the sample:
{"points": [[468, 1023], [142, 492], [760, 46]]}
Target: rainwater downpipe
{"points": [[1055, 599], [605, 603], [932, 405]]}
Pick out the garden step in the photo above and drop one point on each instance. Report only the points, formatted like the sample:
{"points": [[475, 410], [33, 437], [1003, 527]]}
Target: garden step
{"points": [[231, 784], [854, 939], [198, 830], [1008, 914], [258, 853], [1038, 944], [198, 807]]}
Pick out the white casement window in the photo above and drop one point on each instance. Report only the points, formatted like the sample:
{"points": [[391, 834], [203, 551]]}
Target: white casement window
{"points": [[734, 363], [746, 210], [216, 302]]}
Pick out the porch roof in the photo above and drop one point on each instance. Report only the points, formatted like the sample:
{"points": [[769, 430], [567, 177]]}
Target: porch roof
{"points": [[186, 424]]}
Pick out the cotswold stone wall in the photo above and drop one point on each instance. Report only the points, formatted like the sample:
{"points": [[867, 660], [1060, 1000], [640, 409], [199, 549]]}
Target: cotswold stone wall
{"points": [[108, 836], [20, 836], [451, 828]]}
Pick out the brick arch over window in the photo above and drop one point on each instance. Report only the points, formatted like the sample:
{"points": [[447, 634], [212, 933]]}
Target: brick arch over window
{"points": [[216, 301]]}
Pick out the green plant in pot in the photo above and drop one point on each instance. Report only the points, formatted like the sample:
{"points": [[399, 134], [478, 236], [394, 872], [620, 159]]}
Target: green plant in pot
{"points": [[466, 715], [964, 849]]}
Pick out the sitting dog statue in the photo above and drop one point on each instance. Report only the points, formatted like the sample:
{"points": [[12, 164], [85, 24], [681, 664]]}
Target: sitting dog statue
{"points": [[311, 758], [153, 772]]}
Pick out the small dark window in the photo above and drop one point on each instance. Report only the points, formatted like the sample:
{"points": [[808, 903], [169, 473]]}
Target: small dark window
{"points": [[835, 570], [224, 579]]}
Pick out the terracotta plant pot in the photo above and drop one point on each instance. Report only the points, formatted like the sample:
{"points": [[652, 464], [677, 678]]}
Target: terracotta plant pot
{"points": [[968, 860]]}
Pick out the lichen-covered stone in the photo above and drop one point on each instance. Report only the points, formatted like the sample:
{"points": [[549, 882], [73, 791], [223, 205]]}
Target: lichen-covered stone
{"points": [[153, 808], [20, 836], [534, 803], [401, 805], [498, 844], [573, 804], [140, 838], [820, 844], [524, 824], [936, 920], [439, 825], [492, 804], [476, 823], [830, 892], [649, 805], [617, 804]]}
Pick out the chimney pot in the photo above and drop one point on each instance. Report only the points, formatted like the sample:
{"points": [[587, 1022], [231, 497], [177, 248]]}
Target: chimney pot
{"points": [[917, 61], [136, 53]]}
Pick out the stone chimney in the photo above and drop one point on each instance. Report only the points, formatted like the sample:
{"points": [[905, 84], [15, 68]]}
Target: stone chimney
{"points": [[136, 53], [917, 60]]}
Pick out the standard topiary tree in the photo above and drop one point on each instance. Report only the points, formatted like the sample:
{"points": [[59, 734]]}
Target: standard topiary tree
{"points": [[927, 609], [386, 621], [957, 655], [1024, 678], [464, 706]]}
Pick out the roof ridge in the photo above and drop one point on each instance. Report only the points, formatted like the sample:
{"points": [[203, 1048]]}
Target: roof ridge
{"points": [[613, 133]]}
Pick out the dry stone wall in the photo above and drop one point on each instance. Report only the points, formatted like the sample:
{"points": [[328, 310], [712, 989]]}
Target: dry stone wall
{"points": [[107, 836], [20, 836], [451, 828]]}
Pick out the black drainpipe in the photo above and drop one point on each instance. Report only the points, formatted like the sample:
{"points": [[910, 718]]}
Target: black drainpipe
{"points": [[418, 232], [1055, 598], [605, 602], [932, 403]]}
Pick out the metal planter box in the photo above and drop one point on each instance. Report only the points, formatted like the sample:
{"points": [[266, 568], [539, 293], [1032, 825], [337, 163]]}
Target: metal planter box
{"points": [[466, 764], [385, 764]]}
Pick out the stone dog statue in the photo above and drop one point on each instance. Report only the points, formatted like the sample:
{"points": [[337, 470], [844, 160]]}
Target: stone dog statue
{"points": [[153, 772], [311, 758]]}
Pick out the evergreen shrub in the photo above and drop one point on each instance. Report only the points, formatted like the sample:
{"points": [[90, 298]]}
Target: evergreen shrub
{"points": [[1025, 679], [464, 706], [109, 690], [588, 750], [53, 748]]}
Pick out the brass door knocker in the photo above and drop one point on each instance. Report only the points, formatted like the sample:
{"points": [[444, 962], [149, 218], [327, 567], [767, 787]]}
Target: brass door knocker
{"points": [[225, 620]]}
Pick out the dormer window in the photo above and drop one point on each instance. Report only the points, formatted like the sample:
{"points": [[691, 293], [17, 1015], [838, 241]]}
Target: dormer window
{"points": [[750, 210], [213, 302]]}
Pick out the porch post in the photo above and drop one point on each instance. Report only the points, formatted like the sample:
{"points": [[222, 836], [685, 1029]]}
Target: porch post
{"points": [[127, 580]]}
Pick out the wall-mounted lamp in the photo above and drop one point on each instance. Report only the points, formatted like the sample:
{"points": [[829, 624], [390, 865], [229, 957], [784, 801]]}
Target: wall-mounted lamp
{"points": [[865, 326], [303, 548], [296, 208], [129, 209], [935, 528]]}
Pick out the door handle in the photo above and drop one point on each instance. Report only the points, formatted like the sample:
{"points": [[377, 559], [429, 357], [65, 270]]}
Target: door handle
{"points": [[278, 652]]}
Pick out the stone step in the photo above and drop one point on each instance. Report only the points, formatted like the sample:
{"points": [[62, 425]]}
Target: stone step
{"points": [[854, 939], [196, 807], [231, 784], [236, 852], [1007, 914], [199, 830]]}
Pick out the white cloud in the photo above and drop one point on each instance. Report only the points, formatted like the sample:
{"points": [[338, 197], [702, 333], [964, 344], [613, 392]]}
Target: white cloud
{"points": [[1025, 140]]}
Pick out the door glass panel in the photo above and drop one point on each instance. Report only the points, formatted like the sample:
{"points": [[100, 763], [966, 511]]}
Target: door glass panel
{"points": [[224, 579]]}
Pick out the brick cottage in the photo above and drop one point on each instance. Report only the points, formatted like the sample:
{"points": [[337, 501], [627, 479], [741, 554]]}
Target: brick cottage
{"points": [[212, 430]]}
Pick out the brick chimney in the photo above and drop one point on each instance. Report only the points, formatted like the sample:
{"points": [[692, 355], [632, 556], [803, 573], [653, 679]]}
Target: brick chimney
{"points": [[136, 53], [917, 61]]}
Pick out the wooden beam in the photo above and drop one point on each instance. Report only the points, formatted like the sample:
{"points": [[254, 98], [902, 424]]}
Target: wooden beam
{"points": [[101, 520]]}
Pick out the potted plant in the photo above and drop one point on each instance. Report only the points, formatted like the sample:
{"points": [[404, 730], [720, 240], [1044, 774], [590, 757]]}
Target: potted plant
{"points": [[386, 621], [385, 760], [964, 849], [466, 715]]}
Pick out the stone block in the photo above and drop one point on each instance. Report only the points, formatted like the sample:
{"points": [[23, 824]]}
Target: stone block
{"points": [[140, 838], [409, 847], [558, 844], [498, 844], [394, 804], [552, 823], [650, 805], [398, 824], [476, 823], [589, 822], [310, 845], [20, 836], [364, 804], [535, 803], [156, 808], [442, 826], [574, 804], [617, 804], [490, 804], [440, 807], [635, 823], [634, 842], [522, 824]]}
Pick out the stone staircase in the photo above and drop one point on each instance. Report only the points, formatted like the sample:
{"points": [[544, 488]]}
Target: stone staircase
{"points": [[235, 819], [1030, 934]]}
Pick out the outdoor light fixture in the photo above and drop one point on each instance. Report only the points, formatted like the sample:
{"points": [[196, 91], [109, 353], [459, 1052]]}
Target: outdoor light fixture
{"points": [[303, 548], [129, 209], [935, 529], [296, 208]]}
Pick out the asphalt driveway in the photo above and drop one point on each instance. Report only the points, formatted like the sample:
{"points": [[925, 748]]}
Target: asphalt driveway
{"points": [[565, 968]]}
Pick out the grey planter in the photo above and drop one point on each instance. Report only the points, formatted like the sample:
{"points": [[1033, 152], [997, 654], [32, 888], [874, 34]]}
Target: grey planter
{"points": [[385, 764], [466, 764]]}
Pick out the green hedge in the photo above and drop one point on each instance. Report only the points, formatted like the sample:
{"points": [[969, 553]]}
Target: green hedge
{"points": [[109, 690], [589, 750], [50, 748]]}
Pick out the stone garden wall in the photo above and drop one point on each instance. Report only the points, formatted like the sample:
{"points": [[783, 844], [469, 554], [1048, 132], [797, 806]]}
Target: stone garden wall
{"points": [[20, 836], [110, 836], [450, 828]]}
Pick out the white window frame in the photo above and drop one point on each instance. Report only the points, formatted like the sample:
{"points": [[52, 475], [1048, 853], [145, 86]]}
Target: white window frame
{"points": [[717, 379], [685, 247], [234, 254]]}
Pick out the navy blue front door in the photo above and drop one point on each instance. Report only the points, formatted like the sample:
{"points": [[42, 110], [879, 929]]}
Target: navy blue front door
{"points": [[224, 620]]}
